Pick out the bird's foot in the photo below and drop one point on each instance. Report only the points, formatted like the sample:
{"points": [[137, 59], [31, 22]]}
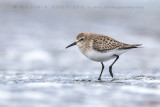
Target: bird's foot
{"points": [[99, 79]]}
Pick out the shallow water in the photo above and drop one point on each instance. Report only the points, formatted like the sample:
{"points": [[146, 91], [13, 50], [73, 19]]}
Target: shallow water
{"points": [[36, 69]]}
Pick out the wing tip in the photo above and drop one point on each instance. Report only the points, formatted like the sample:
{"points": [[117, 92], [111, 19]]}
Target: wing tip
{"points": [[132, 46]]}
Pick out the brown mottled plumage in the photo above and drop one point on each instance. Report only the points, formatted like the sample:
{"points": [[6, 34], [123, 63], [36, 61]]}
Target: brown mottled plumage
{"points": [[103, 43], [101, 48]]}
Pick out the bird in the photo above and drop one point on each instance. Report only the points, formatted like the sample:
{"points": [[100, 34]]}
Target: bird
{"points": [[101, 48]]}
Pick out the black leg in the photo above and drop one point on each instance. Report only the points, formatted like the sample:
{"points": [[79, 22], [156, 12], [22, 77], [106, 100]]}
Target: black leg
{"points": [[110, 67], [101, 71]]}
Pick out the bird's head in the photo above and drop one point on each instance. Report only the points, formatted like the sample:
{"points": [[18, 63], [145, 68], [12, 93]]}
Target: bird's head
{"points": [[80, 40]]}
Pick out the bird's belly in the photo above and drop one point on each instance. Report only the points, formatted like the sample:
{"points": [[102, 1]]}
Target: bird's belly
{"points": [[99, 56], [102, 56]]}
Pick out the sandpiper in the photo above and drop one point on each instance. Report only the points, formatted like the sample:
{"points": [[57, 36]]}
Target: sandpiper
{"points": [[101, 48]]}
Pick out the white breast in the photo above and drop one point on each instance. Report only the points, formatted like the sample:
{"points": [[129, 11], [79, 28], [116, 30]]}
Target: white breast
{"points": [[102, 56]]}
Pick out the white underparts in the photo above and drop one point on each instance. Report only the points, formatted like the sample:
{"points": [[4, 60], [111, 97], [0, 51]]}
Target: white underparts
{"points": [[102, 56]]}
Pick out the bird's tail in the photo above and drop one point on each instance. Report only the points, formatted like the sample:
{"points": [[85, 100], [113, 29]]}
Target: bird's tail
{"points": [[131, 46], [136, 45]]}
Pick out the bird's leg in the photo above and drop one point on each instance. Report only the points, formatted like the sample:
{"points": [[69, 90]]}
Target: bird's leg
{"points": [[101, 71], [110, 67]]}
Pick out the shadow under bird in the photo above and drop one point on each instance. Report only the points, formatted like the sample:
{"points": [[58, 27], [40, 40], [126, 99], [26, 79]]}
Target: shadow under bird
{"points": [[101, 48]]}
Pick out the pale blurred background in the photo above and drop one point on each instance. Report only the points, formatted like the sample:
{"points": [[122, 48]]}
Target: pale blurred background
{"points": [[36, 69]]}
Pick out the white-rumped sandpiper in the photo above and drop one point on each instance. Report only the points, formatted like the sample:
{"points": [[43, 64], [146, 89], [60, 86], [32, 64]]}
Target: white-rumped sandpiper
{"points": [[101, 48]]}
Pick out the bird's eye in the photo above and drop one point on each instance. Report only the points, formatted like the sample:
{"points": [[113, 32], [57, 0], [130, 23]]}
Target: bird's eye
{"points": [[81, 39]]}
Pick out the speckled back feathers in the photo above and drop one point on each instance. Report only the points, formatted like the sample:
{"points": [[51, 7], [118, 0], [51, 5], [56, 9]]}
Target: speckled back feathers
{"points": [[102, 43]]}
